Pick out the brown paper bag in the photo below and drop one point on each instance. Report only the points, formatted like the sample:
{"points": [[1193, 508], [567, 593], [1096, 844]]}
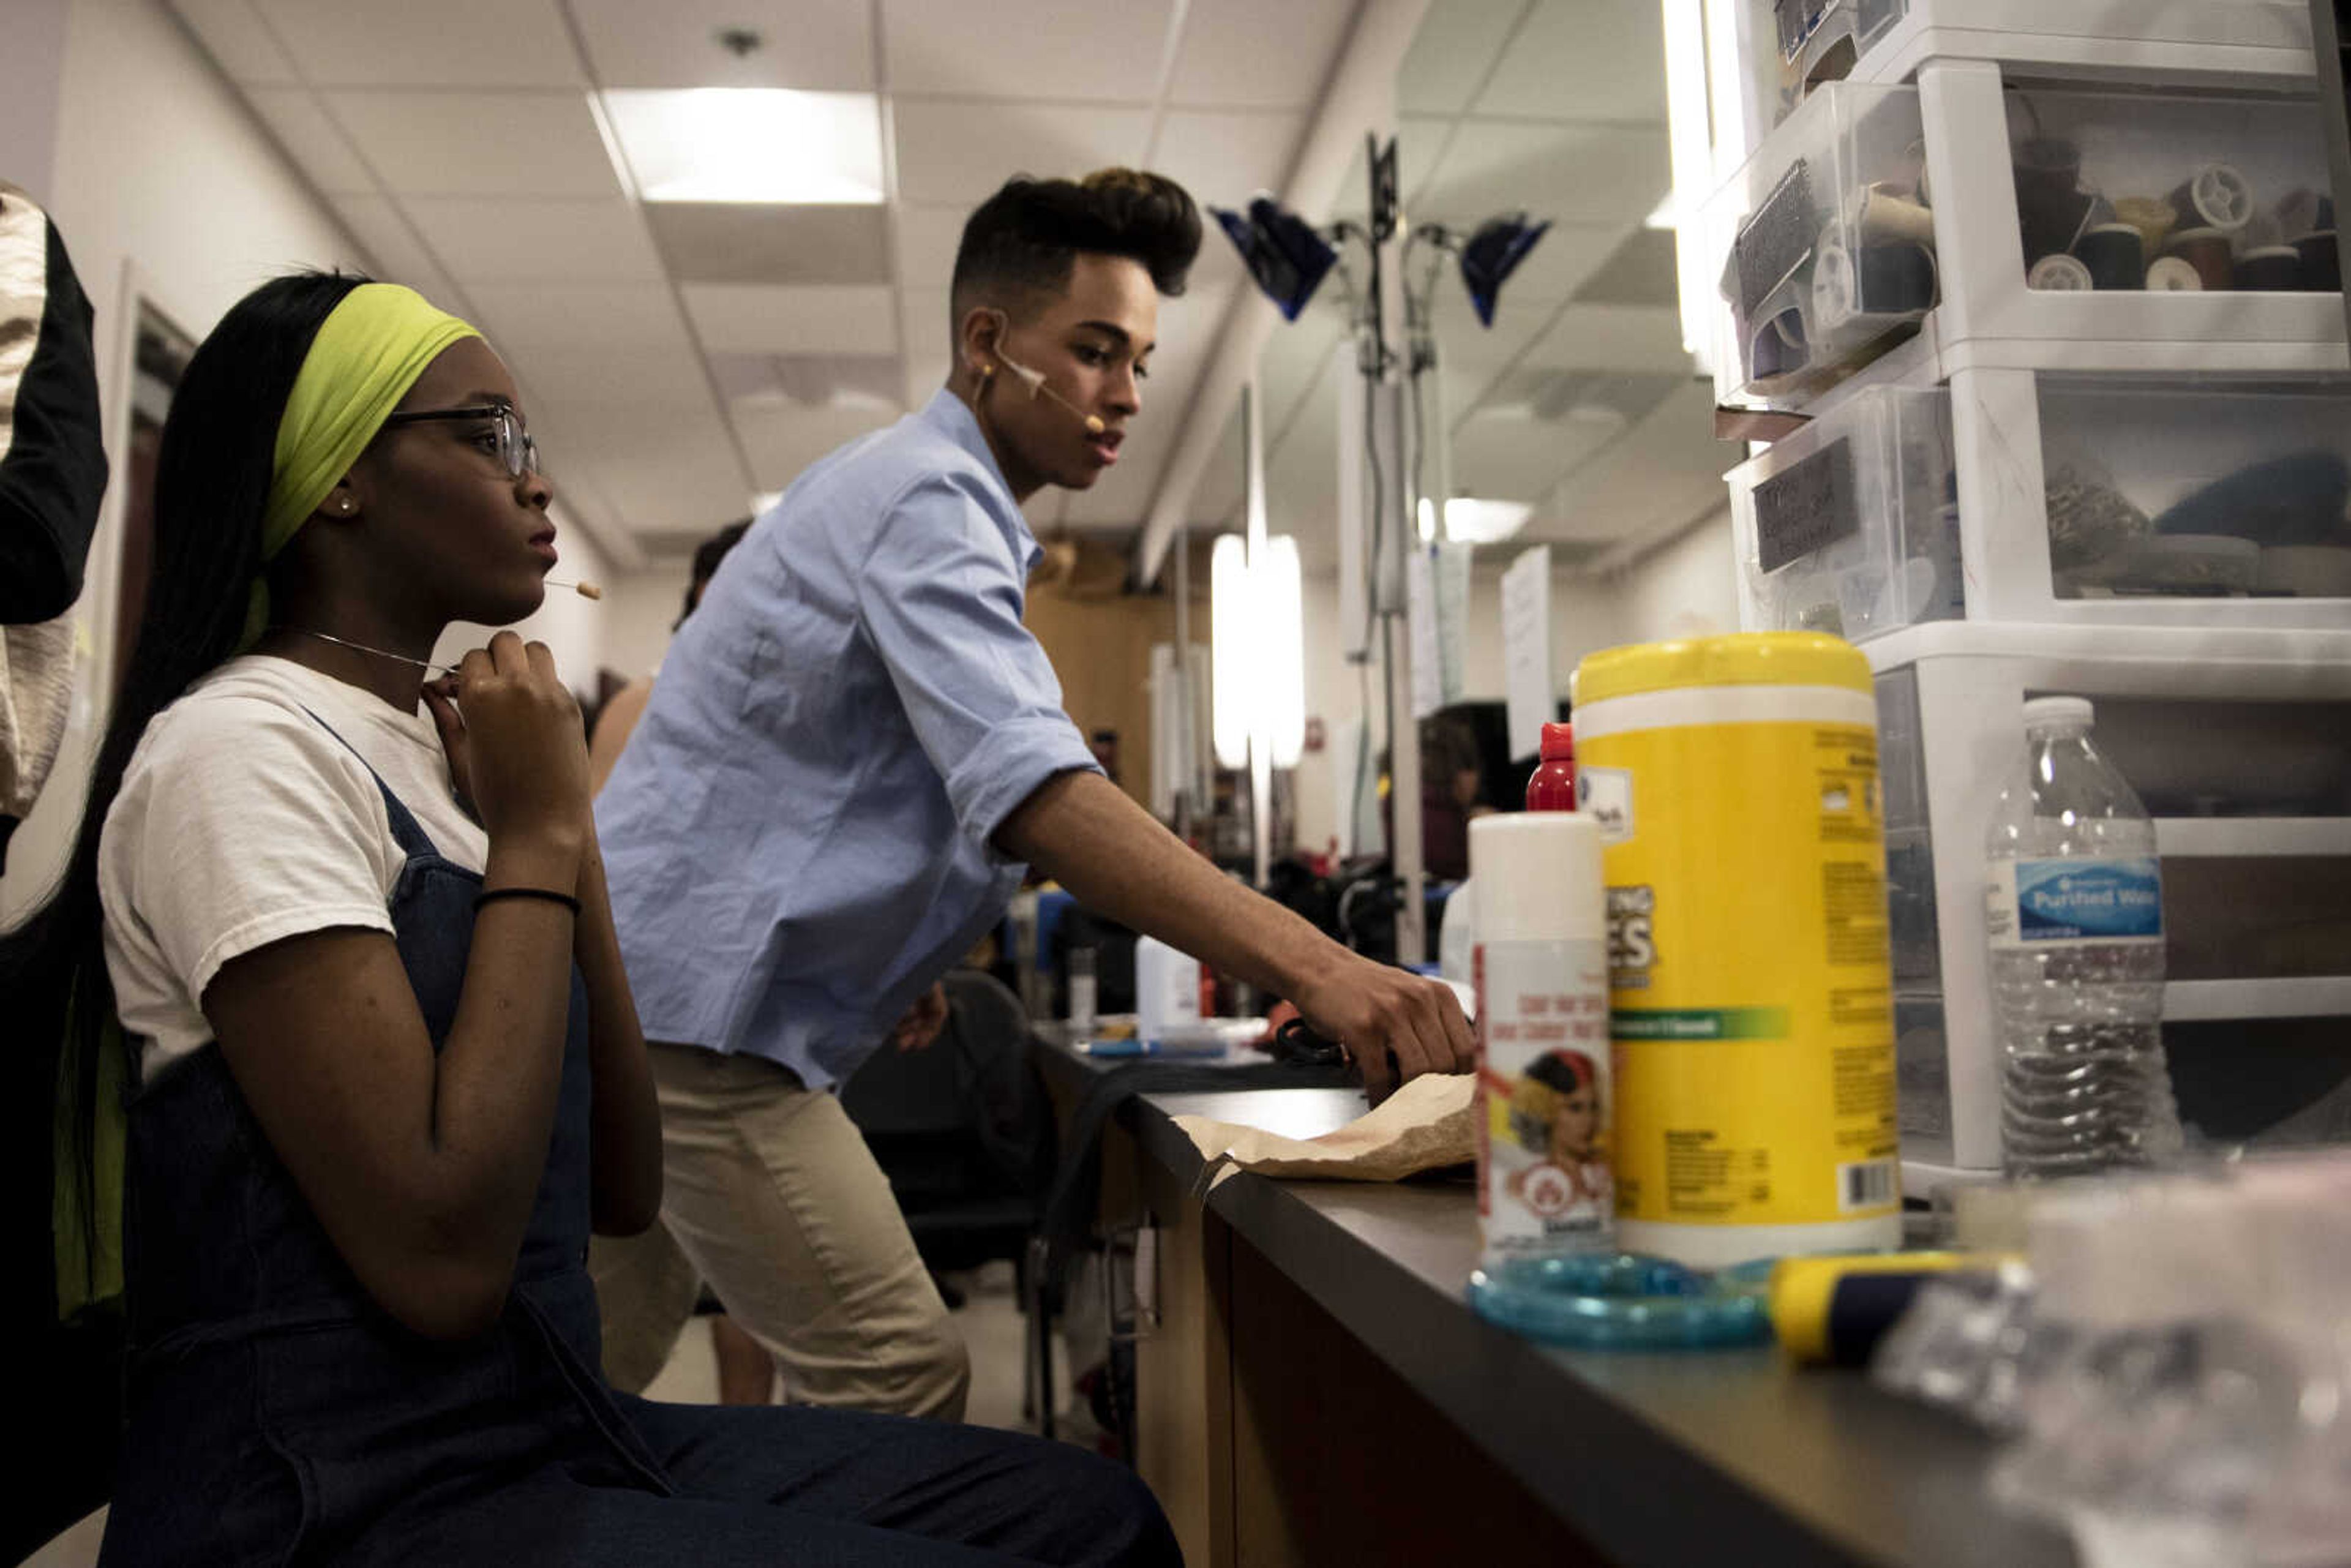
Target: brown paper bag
{"points": [[1429, 1123]]}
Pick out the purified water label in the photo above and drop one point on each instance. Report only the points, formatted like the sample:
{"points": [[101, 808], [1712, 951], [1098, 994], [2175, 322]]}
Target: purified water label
{"points": [[2035, 902]]}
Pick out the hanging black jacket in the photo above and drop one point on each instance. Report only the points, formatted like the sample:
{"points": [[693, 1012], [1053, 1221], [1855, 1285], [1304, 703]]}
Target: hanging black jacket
{"points": [[52, 462]]}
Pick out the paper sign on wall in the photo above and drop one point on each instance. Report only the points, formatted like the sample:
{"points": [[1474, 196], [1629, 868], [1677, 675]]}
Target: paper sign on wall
{"points": [[1526, 681]]}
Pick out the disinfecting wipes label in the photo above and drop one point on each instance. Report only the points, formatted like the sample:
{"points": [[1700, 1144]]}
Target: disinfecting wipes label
{"points": [[1753, 1023], [1544, 1087], [2028, 903]]}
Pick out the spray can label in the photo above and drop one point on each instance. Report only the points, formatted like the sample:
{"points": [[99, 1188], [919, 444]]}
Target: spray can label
{"points": [[1750, 980], [1543, 1083]]}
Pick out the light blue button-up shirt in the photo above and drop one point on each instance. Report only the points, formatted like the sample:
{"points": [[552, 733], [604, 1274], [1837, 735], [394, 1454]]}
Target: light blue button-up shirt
{"points": [[796, 835]]}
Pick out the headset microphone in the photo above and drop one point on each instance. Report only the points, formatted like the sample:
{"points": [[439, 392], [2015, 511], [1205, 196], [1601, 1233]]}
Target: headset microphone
{"points": [[1035, 381]]}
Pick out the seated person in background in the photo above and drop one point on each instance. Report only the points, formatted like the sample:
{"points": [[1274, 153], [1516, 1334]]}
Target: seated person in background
{"points": [[854, 748], [649, 1267], [619, 716], [390, 1072]]}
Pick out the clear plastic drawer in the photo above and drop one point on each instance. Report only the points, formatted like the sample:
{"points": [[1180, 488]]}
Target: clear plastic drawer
{"points": [[1851, 525], [1826, 246]]}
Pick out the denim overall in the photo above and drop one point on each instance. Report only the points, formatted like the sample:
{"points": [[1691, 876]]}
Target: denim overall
{"points": [[277, 1414]]}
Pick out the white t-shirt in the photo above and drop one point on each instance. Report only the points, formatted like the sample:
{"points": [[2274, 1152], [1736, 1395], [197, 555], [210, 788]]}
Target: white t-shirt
{"points": [[242, 821]]}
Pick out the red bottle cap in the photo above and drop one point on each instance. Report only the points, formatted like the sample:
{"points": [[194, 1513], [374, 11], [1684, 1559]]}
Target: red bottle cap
{"points": [[1558, 742]]}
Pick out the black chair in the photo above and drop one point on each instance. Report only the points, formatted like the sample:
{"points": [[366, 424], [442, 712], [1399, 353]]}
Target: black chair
{"points": [[962, 1130]]}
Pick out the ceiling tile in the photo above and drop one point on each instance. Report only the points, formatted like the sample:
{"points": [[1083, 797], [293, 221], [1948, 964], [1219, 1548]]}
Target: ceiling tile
{"points": [[651, 385], [1583, 59], [1640, 271], [741, 242], [1578, 174], [1005, 48], [1246, 53], [927, 240], [1507, 455], [429, 143], [825, 46], [960, 152], [514, 241], [239, 42], [783, 438], [743, 318], [620, 317], [1224, 159], [1613, 337], [925, 374], [315, 143], [924, 334], [695, 483], [427, 43], [1666, 469], [1454, 52], [811, 381], [397, 254]]}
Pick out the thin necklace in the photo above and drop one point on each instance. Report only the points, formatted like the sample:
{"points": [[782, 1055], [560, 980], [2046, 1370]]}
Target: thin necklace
{"points": [[364, 648]]}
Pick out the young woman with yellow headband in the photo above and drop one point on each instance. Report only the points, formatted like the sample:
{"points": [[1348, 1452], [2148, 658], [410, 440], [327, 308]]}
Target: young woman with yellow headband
{"points": [[387, 1070]]}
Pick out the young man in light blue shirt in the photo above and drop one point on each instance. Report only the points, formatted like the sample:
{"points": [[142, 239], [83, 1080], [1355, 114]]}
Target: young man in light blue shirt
{"points": [[854, 750]]}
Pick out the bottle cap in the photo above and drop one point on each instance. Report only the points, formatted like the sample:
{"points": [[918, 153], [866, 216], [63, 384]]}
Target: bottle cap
{"points": [[1558, 742], [2057, 713]]}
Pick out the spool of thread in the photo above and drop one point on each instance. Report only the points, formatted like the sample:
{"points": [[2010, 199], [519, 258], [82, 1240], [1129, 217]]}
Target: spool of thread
{"points": [[1836, 292], [2051, 205], [1834, 1311], [2173, 274], [2153, 217], [2059, 273], [1887, 215], [2216, 195], [1777, 347], [2207, 250], [2305, 212], [2115, 254], [1898, 279], [2271, 270], [2321, 266]]}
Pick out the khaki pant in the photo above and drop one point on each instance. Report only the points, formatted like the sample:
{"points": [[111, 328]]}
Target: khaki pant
{"points": [[770, 1194]]}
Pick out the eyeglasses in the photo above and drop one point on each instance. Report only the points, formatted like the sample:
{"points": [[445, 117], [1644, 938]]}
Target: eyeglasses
{"points": [[516, 450]]}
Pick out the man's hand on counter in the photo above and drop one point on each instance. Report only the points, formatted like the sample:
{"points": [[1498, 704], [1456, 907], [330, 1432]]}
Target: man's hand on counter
{"points": [[1394, 1023], [1117, 860]]}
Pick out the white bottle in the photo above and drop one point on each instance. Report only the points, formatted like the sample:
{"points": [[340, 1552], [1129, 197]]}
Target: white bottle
{"points": [[2074, 912], [1166, 988], [1546, 1106]]}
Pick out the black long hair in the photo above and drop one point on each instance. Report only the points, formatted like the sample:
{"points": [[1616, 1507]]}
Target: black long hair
{"points": [[211, 488]]}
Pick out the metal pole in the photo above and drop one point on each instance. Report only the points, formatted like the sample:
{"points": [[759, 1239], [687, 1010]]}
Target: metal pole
{"points": [[1384, 312], [1260, 743], [1186, 704]]}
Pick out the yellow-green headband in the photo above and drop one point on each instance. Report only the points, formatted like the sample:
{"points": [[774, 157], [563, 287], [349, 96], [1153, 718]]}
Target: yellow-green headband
{"points": [[368, 353]]}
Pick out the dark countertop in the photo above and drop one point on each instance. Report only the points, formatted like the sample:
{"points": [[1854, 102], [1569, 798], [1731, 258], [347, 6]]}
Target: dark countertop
{"points": [[1658, 1458]]}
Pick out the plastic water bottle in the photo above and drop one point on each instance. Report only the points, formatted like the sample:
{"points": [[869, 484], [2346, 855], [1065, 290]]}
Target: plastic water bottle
{"points": [[2075, 905]]}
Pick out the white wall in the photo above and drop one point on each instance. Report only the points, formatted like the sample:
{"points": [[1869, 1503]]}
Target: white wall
{"points": [[159, 167], [32, 56], [1584, 617], [638, 612], [1688, 587]]}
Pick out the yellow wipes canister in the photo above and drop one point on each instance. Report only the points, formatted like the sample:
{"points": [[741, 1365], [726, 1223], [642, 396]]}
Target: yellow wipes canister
{"points": [[1734, 780]]}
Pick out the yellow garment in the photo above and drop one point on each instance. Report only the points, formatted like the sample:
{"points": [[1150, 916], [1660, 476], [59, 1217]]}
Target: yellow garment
{"points": [[369, 351]]}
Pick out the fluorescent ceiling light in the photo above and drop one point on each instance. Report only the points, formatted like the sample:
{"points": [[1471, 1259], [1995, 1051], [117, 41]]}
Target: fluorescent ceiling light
{"points": [[761, 500], [750, 144], [1468, 520]]}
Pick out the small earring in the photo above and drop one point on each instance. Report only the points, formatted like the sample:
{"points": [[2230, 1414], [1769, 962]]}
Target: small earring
{"points": [[986, 372], [342, 506]]}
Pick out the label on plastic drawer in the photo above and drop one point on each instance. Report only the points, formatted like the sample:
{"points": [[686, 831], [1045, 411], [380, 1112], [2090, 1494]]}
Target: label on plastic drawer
{"points": [[2029, 903], [1806, 507]]}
